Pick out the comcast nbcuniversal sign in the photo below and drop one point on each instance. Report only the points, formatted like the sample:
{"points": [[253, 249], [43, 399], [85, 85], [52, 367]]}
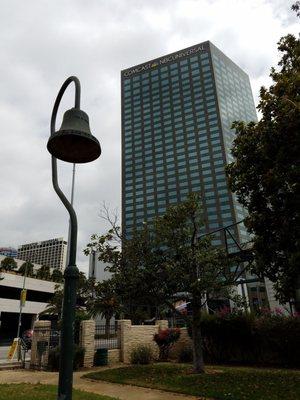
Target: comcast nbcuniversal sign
{"points": [[163, 60]]}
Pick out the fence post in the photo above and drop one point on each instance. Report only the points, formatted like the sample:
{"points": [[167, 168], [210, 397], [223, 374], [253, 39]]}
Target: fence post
{"points": [[124, 326], [162, 323], [87, 341], [41, 334]]}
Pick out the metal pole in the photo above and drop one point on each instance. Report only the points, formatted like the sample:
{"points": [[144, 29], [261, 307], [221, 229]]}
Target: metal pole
{"points": [[21, 308], [72, 202], [21, 303], [71, 273]]}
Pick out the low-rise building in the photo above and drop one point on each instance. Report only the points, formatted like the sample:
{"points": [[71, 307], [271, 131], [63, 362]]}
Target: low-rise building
{"points": [[21, 262], [39, 292]]}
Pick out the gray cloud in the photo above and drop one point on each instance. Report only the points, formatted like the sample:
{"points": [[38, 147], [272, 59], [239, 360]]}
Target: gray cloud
{"points": [[43, 42]]}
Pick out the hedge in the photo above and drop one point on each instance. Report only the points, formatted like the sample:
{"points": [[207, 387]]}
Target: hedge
{"points": [[54, 353], [266, 340]]}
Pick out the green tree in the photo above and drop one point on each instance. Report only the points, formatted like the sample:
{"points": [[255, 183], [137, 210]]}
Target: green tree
{"points": [[84, 292], [57, 276], [104, 301], [8, 264], [136, 297], [44, 273], [266, 174], [54, 306], [169, 260], [27, 268]]}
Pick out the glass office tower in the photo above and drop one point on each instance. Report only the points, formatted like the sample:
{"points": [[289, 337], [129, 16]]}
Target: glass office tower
{"points": [[177, 112]]}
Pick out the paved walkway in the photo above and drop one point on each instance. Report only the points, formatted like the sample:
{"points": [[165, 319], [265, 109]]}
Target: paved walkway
{"points": [[123, 392]]}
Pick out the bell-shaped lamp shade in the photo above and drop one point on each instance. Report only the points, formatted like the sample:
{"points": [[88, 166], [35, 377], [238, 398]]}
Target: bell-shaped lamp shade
{"points": [[73, 142]]}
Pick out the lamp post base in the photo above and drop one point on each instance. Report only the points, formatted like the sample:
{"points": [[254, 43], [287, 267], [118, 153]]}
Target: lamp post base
{"points": [[65, 382]]}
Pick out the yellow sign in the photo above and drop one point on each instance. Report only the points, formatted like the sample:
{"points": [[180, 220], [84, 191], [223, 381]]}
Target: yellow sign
{"points": [[13, 348], [23, 297]]}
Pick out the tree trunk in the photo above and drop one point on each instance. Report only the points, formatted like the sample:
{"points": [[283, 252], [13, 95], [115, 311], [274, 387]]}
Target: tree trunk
{"points": [[197, 339]]}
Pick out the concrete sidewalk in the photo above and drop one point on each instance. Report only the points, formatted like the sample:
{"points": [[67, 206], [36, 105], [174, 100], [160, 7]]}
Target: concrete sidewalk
{"points": [[122, 392]]}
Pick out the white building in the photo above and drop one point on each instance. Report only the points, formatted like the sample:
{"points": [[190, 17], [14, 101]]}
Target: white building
{"points": [[97, 268], [39, 293], [97, 271], [51, 253]]}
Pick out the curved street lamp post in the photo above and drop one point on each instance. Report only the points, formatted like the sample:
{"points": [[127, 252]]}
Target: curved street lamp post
{"points": [[73, 143]]}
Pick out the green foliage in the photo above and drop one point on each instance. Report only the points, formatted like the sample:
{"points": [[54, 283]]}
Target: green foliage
{"points": [[54, 354], [54, 306], [27, 269], [166, 258], [57, 276], [222, 383], [268, 339], [8, 264], [44, 273], [141, 354], [296, 7], [80, 315], [185, 355], [104, 301], [266, 174], [28, 391], [84, 292]]}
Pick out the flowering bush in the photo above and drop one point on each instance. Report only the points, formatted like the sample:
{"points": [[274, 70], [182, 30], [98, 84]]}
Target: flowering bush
{"points": [[165, 339]]}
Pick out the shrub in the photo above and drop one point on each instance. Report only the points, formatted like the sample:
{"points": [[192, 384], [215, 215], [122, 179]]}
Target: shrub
{"points": [[185, 355], [267, 339], [78, 357], [165, 339], [141, 354], [53, 358]]}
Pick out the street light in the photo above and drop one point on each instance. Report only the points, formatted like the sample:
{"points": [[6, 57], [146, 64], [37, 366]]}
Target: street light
{"points": [[73, 143]]}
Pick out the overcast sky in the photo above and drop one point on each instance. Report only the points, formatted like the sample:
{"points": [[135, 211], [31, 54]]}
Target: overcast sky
{"points": [[43, 42]]}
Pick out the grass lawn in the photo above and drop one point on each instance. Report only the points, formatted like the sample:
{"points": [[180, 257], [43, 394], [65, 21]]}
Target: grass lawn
{"points": [[219, 382], [26, 391]]}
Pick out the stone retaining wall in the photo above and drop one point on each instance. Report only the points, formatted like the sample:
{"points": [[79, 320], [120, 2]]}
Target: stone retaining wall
{"points": [[87, 341], [134, 335], [183, 342], [113, 356], [130, 336]]}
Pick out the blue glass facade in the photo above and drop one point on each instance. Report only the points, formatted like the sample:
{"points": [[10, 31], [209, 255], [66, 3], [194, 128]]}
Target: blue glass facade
{"points": [[176, 116], [9, 252]]}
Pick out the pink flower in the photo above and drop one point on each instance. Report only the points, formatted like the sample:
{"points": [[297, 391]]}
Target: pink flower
{"points": [[278, 311]]}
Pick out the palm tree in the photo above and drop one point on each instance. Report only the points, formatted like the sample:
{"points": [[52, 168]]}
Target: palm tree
{"points": [[26, 269], [104, 302], [44, 273], [57, 275], [54, 306]]}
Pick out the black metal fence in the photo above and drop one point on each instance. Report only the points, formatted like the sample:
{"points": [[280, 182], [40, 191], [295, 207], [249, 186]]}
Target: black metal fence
{"points": [[107, 337], [44, 341]]}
